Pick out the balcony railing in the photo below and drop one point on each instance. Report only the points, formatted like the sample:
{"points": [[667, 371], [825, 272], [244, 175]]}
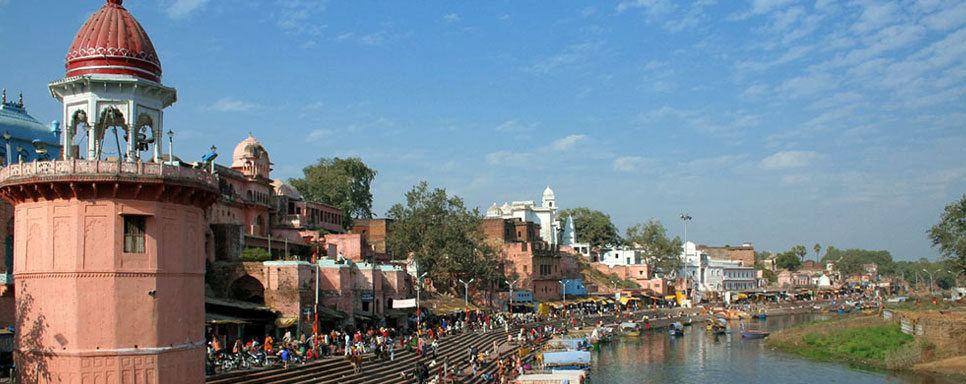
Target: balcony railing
{"points": [[98, 168]]}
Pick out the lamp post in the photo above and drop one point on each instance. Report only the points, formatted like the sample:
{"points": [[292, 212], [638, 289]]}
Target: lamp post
{"points": [[171, 146], [466, 293], [931, 281], [511, 284], [563, 290], [419, 284], [955, 275], [686, 217], [214, 149]]}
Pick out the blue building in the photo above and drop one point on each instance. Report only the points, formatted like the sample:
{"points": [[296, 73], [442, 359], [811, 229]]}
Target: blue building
{"points": [[574, 287], [23, 137]]}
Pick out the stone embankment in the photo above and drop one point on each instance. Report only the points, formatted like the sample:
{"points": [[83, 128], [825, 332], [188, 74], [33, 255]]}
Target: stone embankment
{"points": [[336, 370]]}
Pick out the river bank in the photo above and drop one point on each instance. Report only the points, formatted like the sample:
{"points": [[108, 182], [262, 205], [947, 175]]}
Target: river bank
{"points": [[868, 341]]}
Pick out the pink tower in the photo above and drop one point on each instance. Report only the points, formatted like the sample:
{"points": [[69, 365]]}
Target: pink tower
{"points": [[109, 254]]}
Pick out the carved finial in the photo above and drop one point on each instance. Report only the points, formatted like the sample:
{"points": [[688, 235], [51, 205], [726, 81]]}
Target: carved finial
{"points": [[4, 100], [20, 100]]}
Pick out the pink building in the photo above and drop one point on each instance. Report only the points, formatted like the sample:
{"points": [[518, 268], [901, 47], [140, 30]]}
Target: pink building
{"points": [[789, 279]]}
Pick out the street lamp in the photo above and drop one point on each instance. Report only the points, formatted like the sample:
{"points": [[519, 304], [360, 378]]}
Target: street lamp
{"points": [[419, 281], [686, 217], [563, 290], [931, 282], [466, 293], [170, 146], [511, 284]]}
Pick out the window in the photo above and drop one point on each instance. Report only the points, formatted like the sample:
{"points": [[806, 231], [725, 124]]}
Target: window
{"points": [[134, 234]]}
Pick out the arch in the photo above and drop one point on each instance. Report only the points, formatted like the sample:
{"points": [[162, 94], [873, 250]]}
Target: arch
{"points": [[143, 125], [110, 117], [248, 288]]}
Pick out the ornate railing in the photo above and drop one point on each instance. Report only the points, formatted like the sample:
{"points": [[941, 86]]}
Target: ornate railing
{"points": [[96, 168]]}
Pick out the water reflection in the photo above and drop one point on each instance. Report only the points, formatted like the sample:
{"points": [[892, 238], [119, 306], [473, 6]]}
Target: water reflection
{"points": [[698, 357]]}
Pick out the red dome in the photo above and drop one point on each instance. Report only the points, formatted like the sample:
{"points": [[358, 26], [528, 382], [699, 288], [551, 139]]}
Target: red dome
{"points": [[113, 42]]}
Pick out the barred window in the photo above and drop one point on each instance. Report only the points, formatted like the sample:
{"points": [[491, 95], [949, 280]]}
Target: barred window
{"points": [[134, 234]]}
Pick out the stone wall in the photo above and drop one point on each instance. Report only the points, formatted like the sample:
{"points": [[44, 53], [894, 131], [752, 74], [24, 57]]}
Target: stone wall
{"points": [[943, 329]]}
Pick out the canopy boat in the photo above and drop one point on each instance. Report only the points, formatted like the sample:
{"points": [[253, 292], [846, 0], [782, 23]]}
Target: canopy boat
{"points": [[753, 334], [568, 345], [676, 329], [718, 325], [630, 329], [567, 360]]}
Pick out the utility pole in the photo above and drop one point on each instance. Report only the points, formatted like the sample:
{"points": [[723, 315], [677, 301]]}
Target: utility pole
{"points": [[510, 297], [563, 290], [419, 283], [466, 293]]}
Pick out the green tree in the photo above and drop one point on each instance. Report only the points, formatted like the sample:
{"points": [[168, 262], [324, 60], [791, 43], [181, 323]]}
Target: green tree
{"points": [[663, 254], [343, 183], [950, 235], [769, 274], [851, 261], [788, 260], [444, 238], [592, 226], [818, 251], [800, 252]]}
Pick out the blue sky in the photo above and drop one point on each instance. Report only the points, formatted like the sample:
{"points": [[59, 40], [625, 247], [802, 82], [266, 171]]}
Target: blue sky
{"points": [[776, 122]]}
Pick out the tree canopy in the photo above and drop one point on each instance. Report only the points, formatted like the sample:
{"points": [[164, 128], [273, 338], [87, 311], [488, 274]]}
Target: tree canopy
{"points": [[788, 260], [592, 226], [950, 235], [444, 238], [343, 183], [662, 253], [850, 261]]}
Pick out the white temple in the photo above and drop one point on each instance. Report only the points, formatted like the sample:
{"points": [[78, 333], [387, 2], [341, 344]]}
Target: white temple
{"points": [[544, 215]]}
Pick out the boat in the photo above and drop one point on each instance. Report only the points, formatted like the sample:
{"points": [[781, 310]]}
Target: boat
{"points": [[555, 376], [579, 360], [630, 329], [676, 329], [568, 345], [717, 326], [753, 334]]}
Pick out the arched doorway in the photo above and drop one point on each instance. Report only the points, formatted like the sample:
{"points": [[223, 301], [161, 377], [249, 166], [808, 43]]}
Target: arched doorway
{"points": [[249, 289]]}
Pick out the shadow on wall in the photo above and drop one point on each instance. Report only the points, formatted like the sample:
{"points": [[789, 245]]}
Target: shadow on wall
{"points": [[31, 356]]}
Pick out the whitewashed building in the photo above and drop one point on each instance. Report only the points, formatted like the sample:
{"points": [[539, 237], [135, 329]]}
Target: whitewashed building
{"points": [[545, 215], [710, 275]]}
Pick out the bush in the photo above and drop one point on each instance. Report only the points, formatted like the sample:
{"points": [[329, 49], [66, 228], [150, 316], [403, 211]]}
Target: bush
{"points": [[254, 254]]}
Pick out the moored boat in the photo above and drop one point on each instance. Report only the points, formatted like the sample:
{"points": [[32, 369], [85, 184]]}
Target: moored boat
{"points": [[676, 329], [753, 334], [630, 329]]}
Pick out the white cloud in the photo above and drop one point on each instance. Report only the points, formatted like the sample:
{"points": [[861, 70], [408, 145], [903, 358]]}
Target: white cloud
{"points": [[629, 163], [297, 16], [761, 7], [567, 143], [573, 55], [508, 158], [451, 18], [317, 135], [181, 8], [947, 19], [228, 104], [789, 159], [515, 125], [652, 8]]}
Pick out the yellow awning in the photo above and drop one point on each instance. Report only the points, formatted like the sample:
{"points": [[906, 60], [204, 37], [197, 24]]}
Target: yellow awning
{"points": [[741, 296], [625, 300], [670, 297]]}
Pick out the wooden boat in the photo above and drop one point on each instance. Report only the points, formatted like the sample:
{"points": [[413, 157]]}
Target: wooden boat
{"points": [[676, 329], [630, 329], [717, 326], [753, 334]]}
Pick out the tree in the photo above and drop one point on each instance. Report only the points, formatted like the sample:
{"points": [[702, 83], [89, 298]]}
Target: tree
{"points": [[343, 183], [818, 251], [663, 254], [851, 261], [767, 273], [444, 238], [950, 235], [800, 252], [592, 226], [788, 260]]}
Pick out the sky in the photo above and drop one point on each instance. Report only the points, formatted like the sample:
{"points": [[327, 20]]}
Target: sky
{"points": [[776, 122]]}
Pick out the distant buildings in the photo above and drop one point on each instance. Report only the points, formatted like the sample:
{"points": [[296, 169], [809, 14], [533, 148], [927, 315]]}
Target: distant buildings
{"points": [[710, 275], [545, 215]]}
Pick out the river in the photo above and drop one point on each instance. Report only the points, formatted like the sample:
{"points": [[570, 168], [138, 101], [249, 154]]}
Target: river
{"points": [[698, 357]]}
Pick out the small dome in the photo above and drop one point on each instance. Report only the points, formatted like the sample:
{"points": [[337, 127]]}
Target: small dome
{"points": [[248, 149], [113, 42], [494, 211], [285, 189], [548, 194]]}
